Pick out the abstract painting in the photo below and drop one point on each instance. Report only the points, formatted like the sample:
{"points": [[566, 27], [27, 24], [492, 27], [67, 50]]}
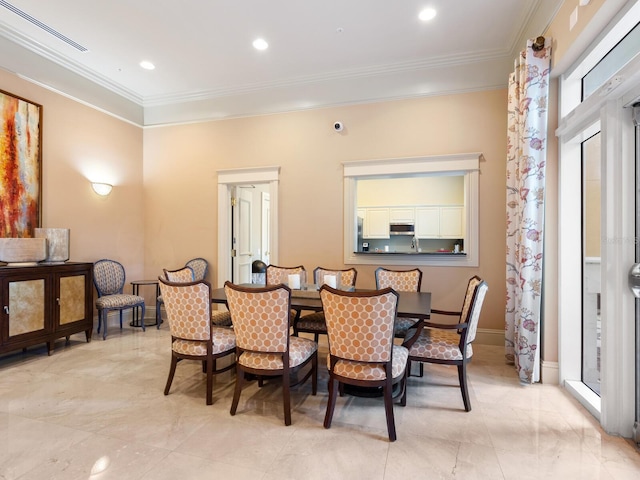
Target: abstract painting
{"points": [[20, 166]]}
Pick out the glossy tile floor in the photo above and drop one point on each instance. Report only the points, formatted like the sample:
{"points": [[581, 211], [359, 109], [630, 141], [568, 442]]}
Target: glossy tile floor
{"points": [[97, 411]]}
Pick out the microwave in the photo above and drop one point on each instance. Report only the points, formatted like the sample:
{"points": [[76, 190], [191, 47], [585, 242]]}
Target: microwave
{"points": [[402, 229]]}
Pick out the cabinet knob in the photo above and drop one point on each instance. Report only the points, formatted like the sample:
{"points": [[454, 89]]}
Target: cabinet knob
{"points": [[58, 300], [6, 309]]}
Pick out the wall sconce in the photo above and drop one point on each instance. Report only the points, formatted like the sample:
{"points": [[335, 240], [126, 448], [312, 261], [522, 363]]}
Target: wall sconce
{"points": [[102, 189]]}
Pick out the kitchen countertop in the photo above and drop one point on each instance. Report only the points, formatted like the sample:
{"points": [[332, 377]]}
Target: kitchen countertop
{"points": [[435, 252]]}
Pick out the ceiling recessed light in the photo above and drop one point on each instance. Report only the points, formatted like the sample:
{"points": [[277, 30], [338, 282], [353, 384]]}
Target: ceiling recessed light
{"points": [[260, 44], [147, 65], [427, 14]]}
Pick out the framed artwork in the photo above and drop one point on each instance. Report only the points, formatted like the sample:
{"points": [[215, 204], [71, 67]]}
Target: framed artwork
{"points": [[20, 166]]}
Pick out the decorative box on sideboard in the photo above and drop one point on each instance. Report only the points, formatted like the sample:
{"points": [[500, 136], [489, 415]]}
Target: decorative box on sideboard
{"points": [[43, 303]]}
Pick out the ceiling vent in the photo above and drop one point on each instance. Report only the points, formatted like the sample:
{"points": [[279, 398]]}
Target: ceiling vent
{"points": [[42, 26]]}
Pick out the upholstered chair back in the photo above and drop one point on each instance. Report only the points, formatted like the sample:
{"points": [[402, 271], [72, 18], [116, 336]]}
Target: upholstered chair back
{"points": [[347, 278], [182, 275], [108, 276], [476, 291], [199, 267], [276, 275], [260, 317], [360, 325], [399, 280], [188, 309]]}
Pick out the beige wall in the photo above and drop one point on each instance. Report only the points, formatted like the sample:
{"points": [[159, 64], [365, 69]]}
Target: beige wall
{"points": [[79, 143], [180, 165]]}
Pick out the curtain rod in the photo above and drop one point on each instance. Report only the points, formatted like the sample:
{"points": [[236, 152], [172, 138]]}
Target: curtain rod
{"points": [[538, 44]]}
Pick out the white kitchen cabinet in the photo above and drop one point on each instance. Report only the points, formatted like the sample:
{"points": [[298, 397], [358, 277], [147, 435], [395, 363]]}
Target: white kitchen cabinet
{"points": [[402, 215], [376, 223], [427, 222], [440, 222], [451, 222]]}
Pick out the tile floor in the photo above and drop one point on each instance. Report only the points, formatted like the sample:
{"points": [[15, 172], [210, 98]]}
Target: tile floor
{"points": [[97, 411]]}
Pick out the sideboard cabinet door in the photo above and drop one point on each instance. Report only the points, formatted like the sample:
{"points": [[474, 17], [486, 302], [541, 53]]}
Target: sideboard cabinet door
{"points": [[24, 309], [72, 306]]}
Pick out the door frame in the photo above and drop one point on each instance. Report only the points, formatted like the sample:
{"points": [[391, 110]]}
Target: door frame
{"points": [[615, 407], [227, 180]]}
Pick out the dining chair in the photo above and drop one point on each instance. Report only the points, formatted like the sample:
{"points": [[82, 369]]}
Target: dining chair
{"points": [[199, 266], [193, 337], [109, 279], [264, 346], [362, 352], [181, 275], [184, 274], [400, 281], [275, 275], [450, 344], [315, 322]]}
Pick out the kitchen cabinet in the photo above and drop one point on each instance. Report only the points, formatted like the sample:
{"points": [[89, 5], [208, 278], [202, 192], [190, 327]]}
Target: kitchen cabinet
{"points": [[376, 223], [451, 222], [440, 222], [402, 215], [42, 303], [427, 222]]}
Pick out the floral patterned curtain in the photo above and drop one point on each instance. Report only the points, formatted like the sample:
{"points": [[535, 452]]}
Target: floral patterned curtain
{"points": [[526, 158]]}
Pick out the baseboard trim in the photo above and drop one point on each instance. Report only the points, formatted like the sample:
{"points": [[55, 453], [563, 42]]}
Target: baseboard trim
{"points": [[550, 373], [488, 336]]}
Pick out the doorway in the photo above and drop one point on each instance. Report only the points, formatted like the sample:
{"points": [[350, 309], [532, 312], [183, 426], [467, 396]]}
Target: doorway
{"points": [[250, 227], [229, 182]]}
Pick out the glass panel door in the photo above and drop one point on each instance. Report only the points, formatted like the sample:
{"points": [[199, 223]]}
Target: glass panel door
{"points": [[591, 235], [636, 119]]}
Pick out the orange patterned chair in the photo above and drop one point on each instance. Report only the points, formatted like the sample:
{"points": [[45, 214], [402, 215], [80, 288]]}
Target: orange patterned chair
{"points": [[450, 344], [400, 281], [261, 319], [193, 337], [182, 275], [195, 269], [315, 322], [275, 275], [361, 348]]}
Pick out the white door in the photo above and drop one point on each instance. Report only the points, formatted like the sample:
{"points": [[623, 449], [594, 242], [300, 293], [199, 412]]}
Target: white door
{"points": [[242, 238]]}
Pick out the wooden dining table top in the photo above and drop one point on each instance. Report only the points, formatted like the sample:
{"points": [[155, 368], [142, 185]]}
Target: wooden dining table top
{"points": [[410, 304]]}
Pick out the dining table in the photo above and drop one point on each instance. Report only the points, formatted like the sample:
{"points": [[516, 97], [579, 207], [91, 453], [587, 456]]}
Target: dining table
{"points": [[410, 304]]}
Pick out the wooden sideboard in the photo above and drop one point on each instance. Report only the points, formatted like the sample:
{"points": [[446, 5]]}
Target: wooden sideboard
{"points": [[42, 303]]}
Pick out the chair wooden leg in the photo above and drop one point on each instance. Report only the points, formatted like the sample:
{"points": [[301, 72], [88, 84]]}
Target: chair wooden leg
{"points": [[105, 318], [99, 320], [314, 374], [158, 314], [144, 328], [209, 381], [388, 408], [286, 396], [462, 377], [403, 399], [236, 392], [120, 320], [172, 371], [331, 403]]}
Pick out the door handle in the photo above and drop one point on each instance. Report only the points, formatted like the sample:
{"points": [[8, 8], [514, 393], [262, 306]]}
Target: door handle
{"points": [[634, 280], [6, 309]]}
